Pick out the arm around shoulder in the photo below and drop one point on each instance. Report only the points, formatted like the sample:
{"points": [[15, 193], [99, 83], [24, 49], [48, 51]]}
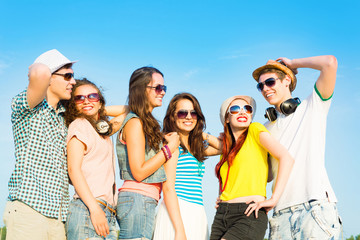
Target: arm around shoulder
{"points": [[214, 144], [119, 113]]}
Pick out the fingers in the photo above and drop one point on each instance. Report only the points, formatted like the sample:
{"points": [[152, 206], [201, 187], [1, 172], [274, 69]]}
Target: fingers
{"points": [[102, 229], [107, 229], [251, 208], [218, 200]]}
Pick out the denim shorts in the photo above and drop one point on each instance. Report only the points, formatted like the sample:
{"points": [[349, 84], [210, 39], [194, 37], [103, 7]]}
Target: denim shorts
{"points": [[317, 219], [79, 226], [231, 223], [136, 215]]}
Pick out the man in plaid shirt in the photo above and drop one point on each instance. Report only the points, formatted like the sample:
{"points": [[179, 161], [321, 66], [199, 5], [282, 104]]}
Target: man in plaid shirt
{"points": [[38, 187]]}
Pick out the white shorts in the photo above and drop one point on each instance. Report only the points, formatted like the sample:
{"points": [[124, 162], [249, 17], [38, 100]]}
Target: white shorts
{"points": [[193, 216]]}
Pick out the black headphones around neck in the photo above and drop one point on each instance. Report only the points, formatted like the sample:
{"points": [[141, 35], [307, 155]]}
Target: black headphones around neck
{"points": [[286, 108]]}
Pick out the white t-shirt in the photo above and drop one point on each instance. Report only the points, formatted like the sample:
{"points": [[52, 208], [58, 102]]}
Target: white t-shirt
{"points": [[303, 133]]}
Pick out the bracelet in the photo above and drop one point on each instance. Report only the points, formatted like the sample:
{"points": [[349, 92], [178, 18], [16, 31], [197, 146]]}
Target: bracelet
{"points": [[166, 154], [168, 151]]}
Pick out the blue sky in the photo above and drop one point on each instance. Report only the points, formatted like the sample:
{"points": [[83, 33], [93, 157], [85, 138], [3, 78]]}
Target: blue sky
{"points": [[208, 48]]}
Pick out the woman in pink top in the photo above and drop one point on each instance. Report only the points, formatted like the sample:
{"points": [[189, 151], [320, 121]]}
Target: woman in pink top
{"points": [[91, 164]]}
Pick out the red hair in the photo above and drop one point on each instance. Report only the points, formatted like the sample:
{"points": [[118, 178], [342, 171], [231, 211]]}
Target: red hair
{"points": [[230, 148]]}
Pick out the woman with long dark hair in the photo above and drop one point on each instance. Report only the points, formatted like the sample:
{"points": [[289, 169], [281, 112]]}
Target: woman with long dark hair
{"points": [[141, 155], [243, 173], [90, 164], [182, 215]]}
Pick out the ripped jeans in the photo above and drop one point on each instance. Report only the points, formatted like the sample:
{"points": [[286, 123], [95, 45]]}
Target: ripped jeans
{"points": [[317, 219]]}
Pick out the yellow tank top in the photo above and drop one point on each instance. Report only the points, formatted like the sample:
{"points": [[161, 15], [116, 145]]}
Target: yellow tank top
{"points": [[249, 171]]}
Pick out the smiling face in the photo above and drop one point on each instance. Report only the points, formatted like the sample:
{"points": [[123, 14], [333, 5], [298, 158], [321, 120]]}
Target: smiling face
{"points": [[242, 119], [59, 88], [89, 108], [278, 93], [187, 124], [154, 98]]}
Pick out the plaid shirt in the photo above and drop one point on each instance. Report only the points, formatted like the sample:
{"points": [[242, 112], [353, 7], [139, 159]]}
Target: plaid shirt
{"points": [[40, 177]]}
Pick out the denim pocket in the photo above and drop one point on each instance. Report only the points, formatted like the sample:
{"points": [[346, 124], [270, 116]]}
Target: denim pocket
{"points": [[124, 206], [326, 217]]}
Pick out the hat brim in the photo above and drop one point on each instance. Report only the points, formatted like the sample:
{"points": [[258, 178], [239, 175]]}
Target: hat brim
{"points": [[60, 66], [271, 64]]}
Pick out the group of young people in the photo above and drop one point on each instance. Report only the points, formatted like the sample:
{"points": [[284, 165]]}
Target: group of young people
{"points": [[62, 130]]}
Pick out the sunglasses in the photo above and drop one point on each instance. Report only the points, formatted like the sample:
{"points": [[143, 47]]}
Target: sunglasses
{"points": [[182, 114], [92, 97], [270, 82], [67, 76], [159, 88], [236, 109]]}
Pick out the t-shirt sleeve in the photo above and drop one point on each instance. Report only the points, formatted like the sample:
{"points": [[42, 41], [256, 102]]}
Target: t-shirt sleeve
{"points": [[317, 103], [81, 129], [255, 129]]}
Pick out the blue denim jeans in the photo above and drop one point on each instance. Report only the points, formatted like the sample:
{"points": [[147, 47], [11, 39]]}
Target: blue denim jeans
{"points": [[311, 220], [79, 226], [136, 216]]}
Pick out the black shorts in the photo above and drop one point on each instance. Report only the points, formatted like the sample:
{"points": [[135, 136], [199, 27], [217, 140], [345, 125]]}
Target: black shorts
{"points": [[231, 223]]}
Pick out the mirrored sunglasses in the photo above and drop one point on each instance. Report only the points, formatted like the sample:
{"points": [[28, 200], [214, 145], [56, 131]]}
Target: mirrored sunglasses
{"points": [[236, 109]]}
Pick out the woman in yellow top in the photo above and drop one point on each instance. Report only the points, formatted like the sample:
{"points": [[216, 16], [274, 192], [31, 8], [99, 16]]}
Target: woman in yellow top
{"points": [[243, 173]]}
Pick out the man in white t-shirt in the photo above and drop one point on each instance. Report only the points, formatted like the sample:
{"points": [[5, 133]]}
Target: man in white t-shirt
{"points": [[307, 207]]}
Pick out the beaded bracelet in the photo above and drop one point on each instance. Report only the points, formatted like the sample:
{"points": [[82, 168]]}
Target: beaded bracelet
{"points": [[168, 151], [165, 149]]}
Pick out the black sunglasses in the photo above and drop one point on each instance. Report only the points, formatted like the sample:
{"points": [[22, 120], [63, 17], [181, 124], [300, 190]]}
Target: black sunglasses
{"points": [[270, 82], [92, 97], [182, 114], [159, 88], [67, 76]]}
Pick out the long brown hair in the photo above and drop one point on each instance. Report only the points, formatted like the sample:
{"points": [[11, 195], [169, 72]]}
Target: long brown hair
{"points": [[139, 104], [230, 147], [72, 113], [195, 137]]}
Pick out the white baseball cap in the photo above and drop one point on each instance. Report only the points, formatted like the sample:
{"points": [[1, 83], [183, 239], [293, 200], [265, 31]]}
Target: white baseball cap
{"points": [[53, 59]]}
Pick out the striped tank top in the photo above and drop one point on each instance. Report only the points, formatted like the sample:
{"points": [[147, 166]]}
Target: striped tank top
{"points": [[189, 175]]}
